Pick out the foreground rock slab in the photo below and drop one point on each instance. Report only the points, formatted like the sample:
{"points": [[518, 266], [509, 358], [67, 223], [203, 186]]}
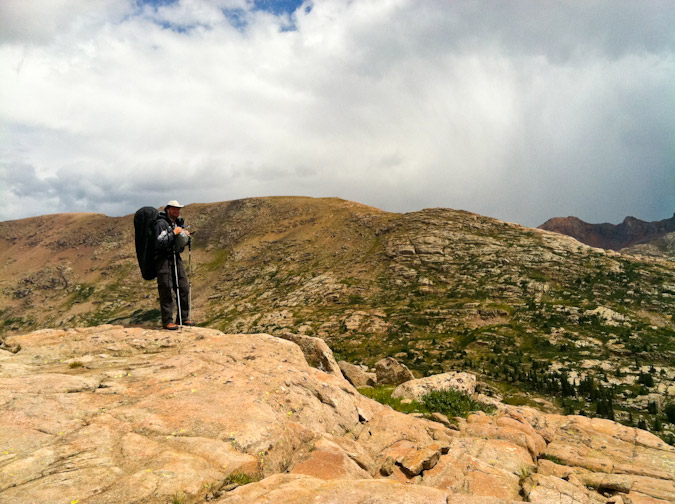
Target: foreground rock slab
{"points": [[292, 489], [125, 415], [114, 414]]}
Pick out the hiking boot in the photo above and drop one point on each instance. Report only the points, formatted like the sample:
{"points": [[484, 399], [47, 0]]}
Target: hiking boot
{"points": [[189, 323], [171, 327]]}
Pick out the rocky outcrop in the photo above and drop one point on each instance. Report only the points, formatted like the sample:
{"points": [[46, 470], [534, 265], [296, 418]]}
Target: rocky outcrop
{"points": [[113, 414], [316, 352], [356, 375], [391, 372], [630, 232], [415, 389], [663, 247]]}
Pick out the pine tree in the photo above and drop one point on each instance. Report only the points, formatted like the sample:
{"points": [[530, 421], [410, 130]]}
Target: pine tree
{"points": [[646, 379], [669, 410]]}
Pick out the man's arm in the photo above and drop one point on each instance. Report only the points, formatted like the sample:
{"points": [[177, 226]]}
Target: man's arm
{"points": [[165, 237]]}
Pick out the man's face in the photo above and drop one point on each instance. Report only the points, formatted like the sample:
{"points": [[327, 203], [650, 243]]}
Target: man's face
{"points": [[173, 212]]}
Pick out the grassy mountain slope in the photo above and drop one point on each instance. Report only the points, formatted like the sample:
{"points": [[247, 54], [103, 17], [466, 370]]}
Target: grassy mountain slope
{"points": [[440, 289], [662, 247]]}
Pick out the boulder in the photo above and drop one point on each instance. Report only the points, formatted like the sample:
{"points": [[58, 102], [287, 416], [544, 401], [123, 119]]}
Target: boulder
{"points": [[603, 446], [357, 376], [507, 428], [328, 461], [389, 371], [421, 460], [316, 352], [415, 389], [548, 489], [608, 316], [463, 473]]}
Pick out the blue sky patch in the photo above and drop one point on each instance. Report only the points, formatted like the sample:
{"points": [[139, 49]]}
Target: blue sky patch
{"points": [[237, 18], [277, 7], [155, 3]]}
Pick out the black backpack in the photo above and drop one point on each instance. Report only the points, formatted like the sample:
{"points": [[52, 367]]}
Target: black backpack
{"points": [[144, 226]]}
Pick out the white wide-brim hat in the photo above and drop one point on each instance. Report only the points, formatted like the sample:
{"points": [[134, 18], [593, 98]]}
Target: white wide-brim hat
{"points": [[174, 204]]}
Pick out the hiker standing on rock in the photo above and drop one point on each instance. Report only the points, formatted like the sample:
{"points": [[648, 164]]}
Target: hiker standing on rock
{"points": [[172, 239]]}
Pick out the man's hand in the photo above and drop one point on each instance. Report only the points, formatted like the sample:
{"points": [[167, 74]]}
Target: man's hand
{"points": [[178, 231]]}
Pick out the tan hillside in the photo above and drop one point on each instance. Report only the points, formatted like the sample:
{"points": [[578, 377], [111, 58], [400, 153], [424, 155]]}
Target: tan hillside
{"points": [[542, 319]]}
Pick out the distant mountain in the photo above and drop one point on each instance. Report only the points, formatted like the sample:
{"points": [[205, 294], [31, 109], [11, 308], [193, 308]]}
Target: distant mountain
{"points": [[630, 232]]}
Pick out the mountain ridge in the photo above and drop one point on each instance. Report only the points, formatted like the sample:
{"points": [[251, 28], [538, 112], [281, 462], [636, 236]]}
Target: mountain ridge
{"points": [[628, 233]]}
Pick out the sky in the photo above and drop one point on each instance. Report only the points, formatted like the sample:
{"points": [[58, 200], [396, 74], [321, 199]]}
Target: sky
{"points": [[513, 109]]}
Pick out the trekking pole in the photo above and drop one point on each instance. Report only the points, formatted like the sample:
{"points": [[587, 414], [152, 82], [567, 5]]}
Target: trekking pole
{"points": [[190, 276], [175, 269]]}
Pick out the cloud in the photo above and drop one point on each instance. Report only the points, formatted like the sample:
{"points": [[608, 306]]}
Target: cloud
{"points": [[42, 21], [518, 110]]}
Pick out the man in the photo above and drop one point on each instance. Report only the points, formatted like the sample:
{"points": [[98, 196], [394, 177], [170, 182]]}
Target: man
{"points": [[171, 241]]}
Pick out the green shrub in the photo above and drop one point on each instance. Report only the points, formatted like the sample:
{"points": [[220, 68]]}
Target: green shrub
{"points": [[82, 293], [239, 479], [553, 459], [449, 402], [453, 403], [382, 394]]}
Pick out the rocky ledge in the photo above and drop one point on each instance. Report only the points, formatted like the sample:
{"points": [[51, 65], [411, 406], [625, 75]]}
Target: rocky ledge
{"points": [[125, 415]]}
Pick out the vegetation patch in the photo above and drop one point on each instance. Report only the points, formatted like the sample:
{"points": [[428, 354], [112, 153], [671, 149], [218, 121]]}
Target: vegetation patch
{"points": [[82, 293], [451, 403], [218, 259], [178, 498], [552, 458], [382, 394], [239, 479]]}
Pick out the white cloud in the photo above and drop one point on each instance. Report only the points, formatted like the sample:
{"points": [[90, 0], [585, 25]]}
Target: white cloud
{"points": [[35, 22], [503, 108]]}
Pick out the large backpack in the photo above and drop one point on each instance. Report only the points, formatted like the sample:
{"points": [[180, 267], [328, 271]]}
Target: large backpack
{"points": [[144, 226]]}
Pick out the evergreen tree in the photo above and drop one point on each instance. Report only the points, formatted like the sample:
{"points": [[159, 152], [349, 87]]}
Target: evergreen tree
{"points": [[605, 405], [669, 410], [646, 379], [566, 388], [587, 387]]}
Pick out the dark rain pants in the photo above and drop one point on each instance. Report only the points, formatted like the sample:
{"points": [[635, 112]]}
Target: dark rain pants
{"points": [[166, 285]]}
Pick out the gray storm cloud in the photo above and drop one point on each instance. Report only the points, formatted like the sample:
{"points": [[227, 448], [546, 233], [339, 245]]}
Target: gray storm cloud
{"points": [[518, 110]]}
